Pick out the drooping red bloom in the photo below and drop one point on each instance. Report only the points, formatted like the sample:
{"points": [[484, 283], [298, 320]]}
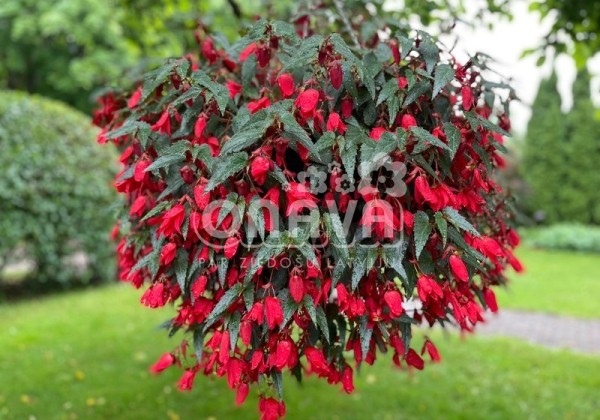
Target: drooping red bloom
{"points": [[256, 106], [163, 125], [167, 254], [393, 298], [187, 380], [336, 75], [200, 126], [260, 169], [271, 409], [307, 102], [242, 392], [430, 348], [285, 82], [490, 299], [335, 123], [273, 312], [134, 99], [459, 269], [467, 97], [317, 361], [347, 380], [172, 221], [408, 121], [234, 88], [296, 288], [164, 362], [413, 359], [429, 289], [231, 247]]}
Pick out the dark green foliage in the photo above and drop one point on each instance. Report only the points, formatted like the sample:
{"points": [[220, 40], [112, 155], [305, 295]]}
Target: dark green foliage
{"points": [[564, 236], [55, 192], [545, 151], [561, 156], [582, 189]]}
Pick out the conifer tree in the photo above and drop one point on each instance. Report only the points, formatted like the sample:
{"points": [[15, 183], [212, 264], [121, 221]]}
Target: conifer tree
{"points": [[581, 190], [545, 151]]}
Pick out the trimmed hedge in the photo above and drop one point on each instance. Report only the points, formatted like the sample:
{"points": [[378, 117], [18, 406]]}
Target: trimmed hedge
{"points": [[570, 237], [55, 191]]}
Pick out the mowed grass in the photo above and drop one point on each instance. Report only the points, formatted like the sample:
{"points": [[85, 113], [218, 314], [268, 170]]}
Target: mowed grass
{"points": [[559, 282], [85, 355]]}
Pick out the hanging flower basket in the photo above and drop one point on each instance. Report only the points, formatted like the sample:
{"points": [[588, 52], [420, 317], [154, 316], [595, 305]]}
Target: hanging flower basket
{"points": [[304, 201]]}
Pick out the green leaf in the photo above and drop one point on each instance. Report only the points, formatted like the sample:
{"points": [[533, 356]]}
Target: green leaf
{"points": [[459, 221], [406, 45], [348, 152], [257, 217], [365, 334], [444, 74], [430, 53], [442, 226], [248, 72], [297, 132], [393, 256], [157, 77], [181, 265], [453, 136], [307, 252], [225, 167], [173, 154], [228, 298], [222, 266], [247, 136], [426, 137], [325, 141], [234, 329], [322, 322], [309, 305], [364, 75], [476, 120], [198, 343], [288, 305], [358, 271], [278, 382], [389, 89], [335, 233], [422, 230], [305, 54], [416, 91], [284, 30], [129, 127], [220, 92], [272, 247]]}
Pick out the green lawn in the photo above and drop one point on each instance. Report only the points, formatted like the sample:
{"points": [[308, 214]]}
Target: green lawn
{"points": [[558, 282], [85, 355]]}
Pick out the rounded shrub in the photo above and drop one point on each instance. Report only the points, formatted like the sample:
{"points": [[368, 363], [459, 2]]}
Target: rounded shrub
{"points": [[305, 198], [55, 192]]}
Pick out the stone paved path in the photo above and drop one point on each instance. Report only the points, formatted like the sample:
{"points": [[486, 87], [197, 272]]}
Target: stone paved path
{"points": [[556, 331]]}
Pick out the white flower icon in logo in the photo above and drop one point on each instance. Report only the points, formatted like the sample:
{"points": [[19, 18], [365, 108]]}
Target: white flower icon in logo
{"points": [[344, 184], [382, 175], [315, 177], [334, 167]]}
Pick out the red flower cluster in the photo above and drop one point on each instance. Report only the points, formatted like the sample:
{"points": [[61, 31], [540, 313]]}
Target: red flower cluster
{"points": [[295, 203]]}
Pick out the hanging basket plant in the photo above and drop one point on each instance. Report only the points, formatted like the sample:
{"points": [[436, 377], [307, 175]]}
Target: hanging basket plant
{"points": [[304, 201]]}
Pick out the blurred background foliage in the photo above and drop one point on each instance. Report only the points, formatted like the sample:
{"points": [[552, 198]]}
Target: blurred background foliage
{"points": [[68, 49], [55, 194]]}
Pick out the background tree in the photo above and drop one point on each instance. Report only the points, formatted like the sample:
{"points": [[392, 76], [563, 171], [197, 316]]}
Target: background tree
{"points": [[562, 153], [544, 151], [581, 197]]}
